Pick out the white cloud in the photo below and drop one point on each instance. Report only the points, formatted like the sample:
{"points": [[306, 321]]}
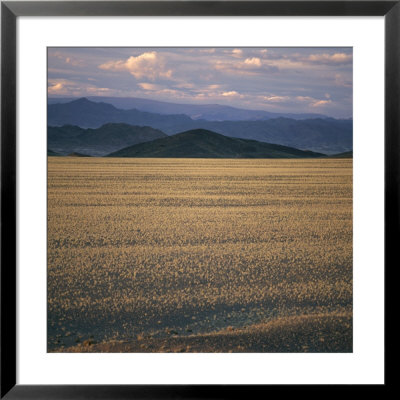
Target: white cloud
{"points": [[147, 65], [62, 87], [312, 102], [249, 67], [232, 93], [275, 99], [56, 88], [253, 62], [237, 52], [321, 103], [98, 90]]}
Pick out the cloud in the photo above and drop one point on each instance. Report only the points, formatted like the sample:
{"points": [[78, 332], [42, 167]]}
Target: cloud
{"points": [[61, 87], [98, 90], [250, 67], [321, 103], [67, 59], [56, 88], [336, 58], [147, 65], [207, 51], [184, 85], [302, 61], [253, 62], [75, 62], [237, 52], [276, 99], [278, 79], [232, 93], [305, 98], [149, 86], [312, 102], [169, 92], [65, 87]]}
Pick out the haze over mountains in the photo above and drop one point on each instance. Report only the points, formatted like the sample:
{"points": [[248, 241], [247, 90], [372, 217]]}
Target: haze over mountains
{"points": [[323, 135], [209, 112], [200, 143], [88, 114]]}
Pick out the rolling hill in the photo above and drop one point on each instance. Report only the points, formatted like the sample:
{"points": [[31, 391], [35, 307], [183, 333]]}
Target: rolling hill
{"points": [[201, 143], [321, 135], [77, 155], [347, 154], [98, 142]]}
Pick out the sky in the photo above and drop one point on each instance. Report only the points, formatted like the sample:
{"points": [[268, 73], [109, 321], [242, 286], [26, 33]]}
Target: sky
{"points": [[295, 80]]}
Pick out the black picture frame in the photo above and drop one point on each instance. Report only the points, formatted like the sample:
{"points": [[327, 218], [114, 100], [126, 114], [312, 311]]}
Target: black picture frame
{"points": [[10, 11]]}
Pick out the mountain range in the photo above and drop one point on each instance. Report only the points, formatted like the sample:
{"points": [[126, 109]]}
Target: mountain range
{"points": [[201, 143], [208, 112], [346, 154], [325, 135], [98, 142]]}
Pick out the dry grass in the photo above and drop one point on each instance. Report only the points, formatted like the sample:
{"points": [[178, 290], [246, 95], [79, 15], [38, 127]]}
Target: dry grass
{"points": [[159, 248]]}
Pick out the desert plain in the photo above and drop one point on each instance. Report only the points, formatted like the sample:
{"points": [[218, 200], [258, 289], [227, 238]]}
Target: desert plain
{"points": [[199, 255]]}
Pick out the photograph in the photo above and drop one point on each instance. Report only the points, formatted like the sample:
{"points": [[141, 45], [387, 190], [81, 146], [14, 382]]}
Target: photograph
{"points": [[199, 199]]}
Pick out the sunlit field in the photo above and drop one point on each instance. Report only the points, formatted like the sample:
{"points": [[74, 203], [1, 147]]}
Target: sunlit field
{"points": [[199, 255]]}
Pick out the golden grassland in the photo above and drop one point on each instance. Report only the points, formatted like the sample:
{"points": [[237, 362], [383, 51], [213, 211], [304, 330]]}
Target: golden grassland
{"points": [[172, 254]]}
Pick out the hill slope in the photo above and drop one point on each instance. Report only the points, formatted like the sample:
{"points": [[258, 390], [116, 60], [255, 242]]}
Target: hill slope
{"points": [[326, 135], [98, 142], [201, 143], [52, 153], [347, 154]]}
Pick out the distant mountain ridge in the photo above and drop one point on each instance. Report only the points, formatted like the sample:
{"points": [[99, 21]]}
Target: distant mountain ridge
{"points": [[98, 142], [346, 154], [201, 143], [52, 153], [325, 135], [208, 112], [89, 114]]}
